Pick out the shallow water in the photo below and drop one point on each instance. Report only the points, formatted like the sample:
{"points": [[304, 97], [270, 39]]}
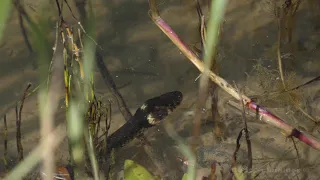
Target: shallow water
{"points": [[146, 63]]}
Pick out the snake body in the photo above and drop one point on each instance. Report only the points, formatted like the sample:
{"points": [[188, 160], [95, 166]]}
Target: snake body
{"points": [[151, 113]]}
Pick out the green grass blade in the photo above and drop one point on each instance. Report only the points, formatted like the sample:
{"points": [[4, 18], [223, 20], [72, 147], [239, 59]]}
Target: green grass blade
{"points": [[5, 7]]}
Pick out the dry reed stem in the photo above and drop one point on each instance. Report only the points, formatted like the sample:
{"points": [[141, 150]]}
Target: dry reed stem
{"points": [[202, 24], [265, 115], [279, 53]]}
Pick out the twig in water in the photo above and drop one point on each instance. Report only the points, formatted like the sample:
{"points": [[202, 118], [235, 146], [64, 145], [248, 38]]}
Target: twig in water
{"points": [[23, 98], [234, 156], [296, 149], [304, 84], [18, 123], [313, 80], [264, 115], [24, 33], [108, 118], [5, 158], [17, 101], [136, 73], [112, 86], [247, 138]]}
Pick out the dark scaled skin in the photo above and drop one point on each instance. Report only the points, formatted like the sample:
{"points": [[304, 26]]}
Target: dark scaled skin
{"points": [[158, 108]]}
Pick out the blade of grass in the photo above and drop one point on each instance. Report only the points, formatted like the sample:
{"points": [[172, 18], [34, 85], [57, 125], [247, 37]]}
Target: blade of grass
{"points": [[5, 8], [20, 171], [89, 55], [93, 160], [185, 150], [49, 101], [216, 15]]}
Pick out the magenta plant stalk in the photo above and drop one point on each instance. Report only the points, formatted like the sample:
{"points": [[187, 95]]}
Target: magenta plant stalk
{"points": [[264, 115]]}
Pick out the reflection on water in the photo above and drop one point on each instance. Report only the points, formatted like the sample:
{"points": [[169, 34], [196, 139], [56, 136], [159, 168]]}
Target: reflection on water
{"points": [[145, 63]]}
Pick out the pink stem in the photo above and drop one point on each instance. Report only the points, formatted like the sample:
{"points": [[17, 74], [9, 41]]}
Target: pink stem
{"points": [[270, 118], [265, 115]]}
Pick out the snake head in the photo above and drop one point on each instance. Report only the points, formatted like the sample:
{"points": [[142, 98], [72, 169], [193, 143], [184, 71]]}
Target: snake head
{"points": [[160, 107]]}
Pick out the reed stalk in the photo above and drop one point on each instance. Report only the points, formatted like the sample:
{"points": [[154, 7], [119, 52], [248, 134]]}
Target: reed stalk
{"points": [[264, 114]]}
